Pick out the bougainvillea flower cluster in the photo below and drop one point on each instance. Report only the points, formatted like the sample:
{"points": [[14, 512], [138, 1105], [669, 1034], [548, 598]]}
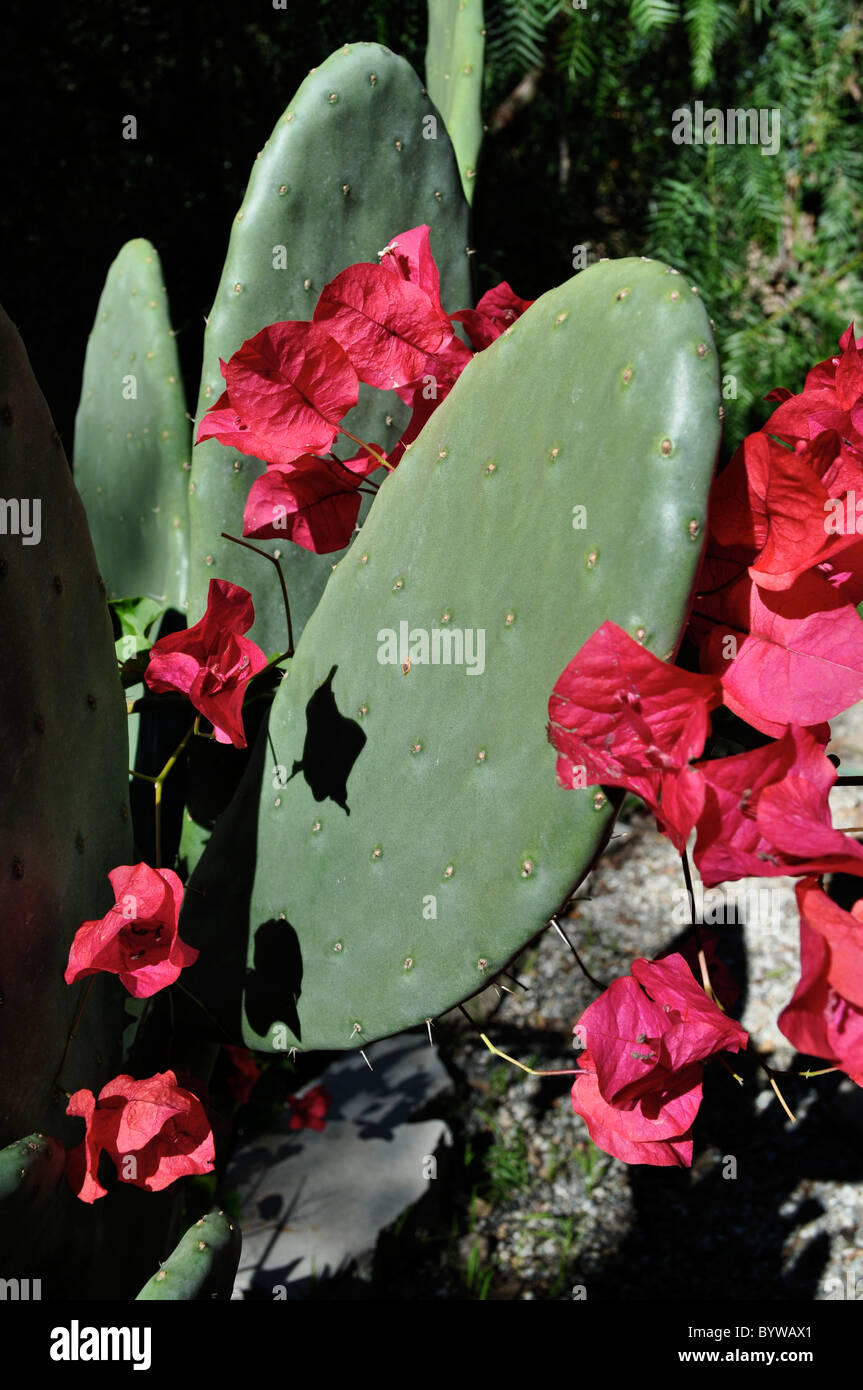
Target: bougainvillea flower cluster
{"points": [[288, 389], [780, 644], [645, 1040], [212, 662], [138, 937], [153, 1130]]}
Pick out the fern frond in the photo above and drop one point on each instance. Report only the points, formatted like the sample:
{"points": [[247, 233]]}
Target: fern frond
{"points": [[516, 34], [647, 15], [701, 28], [577, 53]]}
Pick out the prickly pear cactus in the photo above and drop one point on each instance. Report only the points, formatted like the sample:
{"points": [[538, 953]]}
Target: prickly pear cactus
{"points": [[31, 1175], [346, 169], [64, 774], [202, 1267], [29, 1169], [132, 436], [412, 837], [454, 64]]}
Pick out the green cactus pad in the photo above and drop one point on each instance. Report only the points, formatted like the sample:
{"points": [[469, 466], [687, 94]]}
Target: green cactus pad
{"points": [[454, 63], [415, 837], [65, 816], [30, 1169], [202, 1267], [31, 1197], [345, 170], [132, 436]]}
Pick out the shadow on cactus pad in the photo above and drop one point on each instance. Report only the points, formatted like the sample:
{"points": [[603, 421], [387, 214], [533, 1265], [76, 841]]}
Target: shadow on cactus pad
{"points": [[332, 745], [274, 984]]}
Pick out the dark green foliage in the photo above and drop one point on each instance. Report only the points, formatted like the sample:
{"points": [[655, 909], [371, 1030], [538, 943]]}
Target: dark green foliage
{"points": [[773, 242]]}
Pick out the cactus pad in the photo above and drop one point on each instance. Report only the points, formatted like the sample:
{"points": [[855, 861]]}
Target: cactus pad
{"points": [[66, 806], [132, 437], [345, 170], [203, 1265], [412, 837], [454, 60]]}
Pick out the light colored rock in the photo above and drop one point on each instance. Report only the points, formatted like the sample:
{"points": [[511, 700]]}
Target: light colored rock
{"points": [[314, 1202]]}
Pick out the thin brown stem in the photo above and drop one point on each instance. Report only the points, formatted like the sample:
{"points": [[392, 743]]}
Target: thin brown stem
{"points": [[730, 1069], [141, 1018], [204, 1010], [332, 458], [272, 558], [74, 1029], [696, 927], [779, 1096]]}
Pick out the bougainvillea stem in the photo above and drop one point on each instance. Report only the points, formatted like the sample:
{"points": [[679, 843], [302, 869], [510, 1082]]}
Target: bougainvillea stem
{"points": [[140, 1024], [74, 1029], [332, 458], [532, 1071], [197, 1002], [702, 959], [731, 1072], [258, 551], [368, 448], [515, 981], [160, 781], [779, 1096]]}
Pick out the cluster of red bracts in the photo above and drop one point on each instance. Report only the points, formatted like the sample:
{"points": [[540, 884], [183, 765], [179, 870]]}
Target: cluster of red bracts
{"points": [[780, 644], [153, 1129], [289, 387], [287, 390]]}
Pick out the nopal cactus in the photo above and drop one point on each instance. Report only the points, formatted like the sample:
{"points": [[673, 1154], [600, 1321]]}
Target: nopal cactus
{"points": [[454, 66], [411, 838], [348, 162], [203, 1265], [65, 728], [65, 826], [398, 835], [132, 439]]}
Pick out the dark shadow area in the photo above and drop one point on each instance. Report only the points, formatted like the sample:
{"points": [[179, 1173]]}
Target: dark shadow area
{"points": [[332, 745], [160, 731], [274, 983], [215, 914], [726, 1228], [212, 771], [205, 98], [845, 890]]}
